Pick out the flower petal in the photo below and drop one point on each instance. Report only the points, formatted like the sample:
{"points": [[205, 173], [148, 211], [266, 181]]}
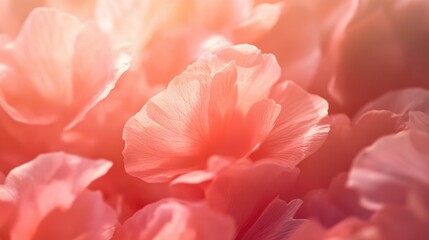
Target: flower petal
{"points": [[176, 219]]}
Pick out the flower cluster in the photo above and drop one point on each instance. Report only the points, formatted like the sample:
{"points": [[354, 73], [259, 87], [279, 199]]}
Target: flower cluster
{"points": [[214, 119]]}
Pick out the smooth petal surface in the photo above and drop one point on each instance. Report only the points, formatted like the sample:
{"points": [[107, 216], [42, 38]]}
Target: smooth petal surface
{"points": [[399, 102], [48, 182], [89, 217], [177, 219], [52, 72], [388, 35], [385, 172]]}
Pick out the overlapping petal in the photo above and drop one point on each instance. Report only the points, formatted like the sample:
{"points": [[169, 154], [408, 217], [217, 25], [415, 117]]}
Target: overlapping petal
{"points": [[221, 105]]}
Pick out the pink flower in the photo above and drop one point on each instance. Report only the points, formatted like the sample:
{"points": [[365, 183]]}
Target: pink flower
{"points": [[391, 169], [51, 191], [57, 69], [226, 104], [302, 38], [177, 219], [389, 114], [188, 28], [383, 48], [246, 19], [390, 177]]}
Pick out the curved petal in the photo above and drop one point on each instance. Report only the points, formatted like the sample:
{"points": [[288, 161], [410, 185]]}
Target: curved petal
{"points": [[244, 189], [176, 219], [41, 67], [385, 172], [276, 221], [89, 217], [216, 106], [57, 69], [399, 102], [48, 182], [301, 127]]}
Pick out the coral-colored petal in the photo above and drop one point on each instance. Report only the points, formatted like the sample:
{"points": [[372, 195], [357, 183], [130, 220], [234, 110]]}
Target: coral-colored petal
{"points": [[241, 190], [301, 127], [49, 181], [89, 217], [276, 221], [216, 106], [57, 69], [177, 219], [43, 67]]}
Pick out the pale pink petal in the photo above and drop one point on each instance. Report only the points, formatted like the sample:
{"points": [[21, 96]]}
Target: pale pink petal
{"points": [[400, 102], [301, 127], [276, 221], [243, 190], [177, 219], [146, 17], [53, 72], [385, 172], [89, 217], [346, 139], [48, 182], [42, 55], [97, 67]]}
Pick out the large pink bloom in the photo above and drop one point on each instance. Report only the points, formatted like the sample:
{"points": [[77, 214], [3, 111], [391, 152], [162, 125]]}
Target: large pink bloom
{"points": [[46, 199], [226, 104], [177, 219]]}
